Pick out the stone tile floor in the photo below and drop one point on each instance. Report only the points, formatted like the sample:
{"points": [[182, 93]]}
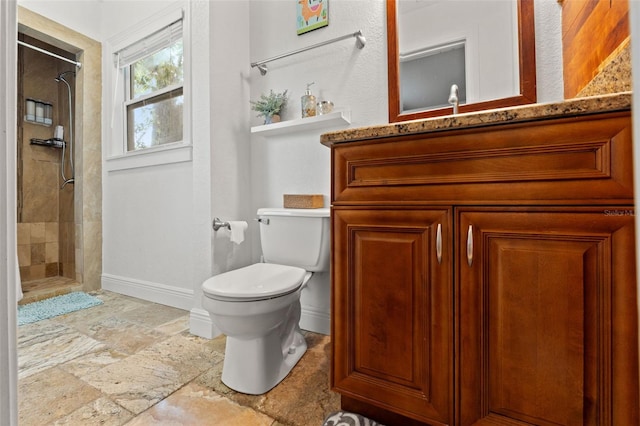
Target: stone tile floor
{"points": [[134, 362]]}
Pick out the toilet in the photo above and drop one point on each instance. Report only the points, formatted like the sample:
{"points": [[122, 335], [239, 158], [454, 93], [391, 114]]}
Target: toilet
{"points": [[258, 307]]}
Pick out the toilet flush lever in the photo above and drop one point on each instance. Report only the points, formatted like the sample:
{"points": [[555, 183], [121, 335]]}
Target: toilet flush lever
{"points": [[263, 220]]}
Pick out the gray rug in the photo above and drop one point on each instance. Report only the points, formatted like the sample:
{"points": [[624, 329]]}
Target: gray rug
{"points": [[344, 418]]}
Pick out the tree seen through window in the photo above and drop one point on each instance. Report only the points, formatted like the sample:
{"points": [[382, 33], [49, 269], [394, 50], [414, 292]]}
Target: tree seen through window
{"points": [[154, 114]]}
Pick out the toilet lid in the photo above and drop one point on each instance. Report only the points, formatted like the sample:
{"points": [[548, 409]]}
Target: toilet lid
{"points": [[255, 282]]}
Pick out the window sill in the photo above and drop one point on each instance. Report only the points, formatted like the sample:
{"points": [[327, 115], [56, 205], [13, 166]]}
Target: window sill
{"points": [[174, 153]]}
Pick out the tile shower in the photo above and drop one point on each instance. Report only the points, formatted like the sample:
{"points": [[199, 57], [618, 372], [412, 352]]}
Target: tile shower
{"points": [[46, 237], [79, 206]]}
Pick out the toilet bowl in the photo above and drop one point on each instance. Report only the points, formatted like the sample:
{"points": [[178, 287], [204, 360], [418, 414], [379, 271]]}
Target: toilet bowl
{"points": [[258, 307]]}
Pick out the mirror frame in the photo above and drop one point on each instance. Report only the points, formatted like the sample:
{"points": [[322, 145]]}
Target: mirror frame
{"points": [[527, 95]]}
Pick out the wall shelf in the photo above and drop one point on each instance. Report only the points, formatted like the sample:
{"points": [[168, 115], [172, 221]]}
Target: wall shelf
{"points": [[336, 118]]}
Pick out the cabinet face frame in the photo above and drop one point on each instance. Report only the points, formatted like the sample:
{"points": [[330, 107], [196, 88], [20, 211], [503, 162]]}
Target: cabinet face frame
{"points": [[569, 273], [392, 337]]}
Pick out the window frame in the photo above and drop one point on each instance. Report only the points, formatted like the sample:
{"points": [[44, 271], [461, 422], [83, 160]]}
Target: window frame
{"points": [[118, 157], [129, 100]]}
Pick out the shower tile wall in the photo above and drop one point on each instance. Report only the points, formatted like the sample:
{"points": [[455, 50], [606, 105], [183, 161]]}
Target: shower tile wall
{"points": [[46, 241], [38, 250]]}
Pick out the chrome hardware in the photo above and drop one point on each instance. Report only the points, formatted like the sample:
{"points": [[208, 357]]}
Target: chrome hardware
{"points": [[470, 245], [453, 98], [263, 220], [439, 243], [218, 223], [360, 43]]}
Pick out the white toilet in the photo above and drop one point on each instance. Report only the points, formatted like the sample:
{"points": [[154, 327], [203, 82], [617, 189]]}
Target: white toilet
{"points": [[258, 306]]}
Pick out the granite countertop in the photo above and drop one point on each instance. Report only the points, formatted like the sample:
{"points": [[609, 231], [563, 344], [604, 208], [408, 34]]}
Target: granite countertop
{"points": [[572, 107]]}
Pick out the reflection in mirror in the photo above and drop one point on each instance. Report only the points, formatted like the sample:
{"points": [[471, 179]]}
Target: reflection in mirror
{"points": [[427, 74], [484, 47]]}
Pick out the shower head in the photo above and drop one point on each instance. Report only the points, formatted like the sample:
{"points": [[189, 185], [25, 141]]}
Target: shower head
{"points": [[60, 76]]}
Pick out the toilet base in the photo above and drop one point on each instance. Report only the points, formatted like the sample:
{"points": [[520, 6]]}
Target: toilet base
{"points": [[254, 366]]}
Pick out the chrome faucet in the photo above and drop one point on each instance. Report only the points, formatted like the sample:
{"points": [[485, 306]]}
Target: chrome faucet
{"points": [[453, 98]]}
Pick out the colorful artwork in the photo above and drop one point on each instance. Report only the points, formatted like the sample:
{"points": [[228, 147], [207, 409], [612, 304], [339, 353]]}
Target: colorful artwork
{"points": [[312, 14]]}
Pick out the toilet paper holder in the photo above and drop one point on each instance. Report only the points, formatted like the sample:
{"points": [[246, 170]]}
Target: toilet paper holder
{"points": [[218, 223]]}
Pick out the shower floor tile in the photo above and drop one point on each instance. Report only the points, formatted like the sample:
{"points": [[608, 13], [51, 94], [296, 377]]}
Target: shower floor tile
{"points": [[45, 288]]}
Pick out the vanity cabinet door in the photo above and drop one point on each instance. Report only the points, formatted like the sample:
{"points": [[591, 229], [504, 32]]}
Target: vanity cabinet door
{"points": [[547, 317], [392, 328]]}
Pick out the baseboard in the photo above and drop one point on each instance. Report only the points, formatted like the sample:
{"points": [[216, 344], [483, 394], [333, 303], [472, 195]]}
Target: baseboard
{"points": [[315, 320], [153, 292], [200, 324]]}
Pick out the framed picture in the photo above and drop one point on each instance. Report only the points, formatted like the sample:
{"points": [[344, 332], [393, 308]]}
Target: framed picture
{"points": [[311, 15]]}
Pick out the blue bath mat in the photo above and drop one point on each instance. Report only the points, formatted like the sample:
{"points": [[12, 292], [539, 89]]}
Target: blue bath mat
{"points": [[59, 305]]}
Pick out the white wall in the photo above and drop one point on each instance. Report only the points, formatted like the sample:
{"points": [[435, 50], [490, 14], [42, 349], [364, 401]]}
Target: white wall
{"points": [[230, 134], [97, 19], [352, 78], [148, 212], [146, 221], [158, 241], [223, 162], [82, 16], [548, 24]]}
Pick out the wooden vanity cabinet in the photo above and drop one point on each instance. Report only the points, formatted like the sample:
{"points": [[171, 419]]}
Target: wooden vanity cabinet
{"points": [[392, 311], [546, 317], [487, 275]]}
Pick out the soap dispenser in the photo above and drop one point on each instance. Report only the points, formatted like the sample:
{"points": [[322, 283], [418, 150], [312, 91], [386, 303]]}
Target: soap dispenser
{"points": [[308, 102]]}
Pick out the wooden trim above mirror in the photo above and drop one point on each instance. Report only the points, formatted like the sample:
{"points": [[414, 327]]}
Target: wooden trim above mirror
{"points": [[526, 33]]}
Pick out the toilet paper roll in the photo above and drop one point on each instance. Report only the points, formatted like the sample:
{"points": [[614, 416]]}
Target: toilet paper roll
{"points": [[237, 230]]}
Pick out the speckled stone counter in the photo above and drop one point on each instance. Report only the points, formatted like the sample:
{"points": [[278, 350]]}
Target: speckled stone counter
{"points": [[573, 107], [614, 75]]}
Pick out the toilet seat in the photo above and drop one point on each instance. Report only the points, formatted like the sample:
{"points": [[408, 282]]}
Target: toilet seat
{"points": [[259, 281]]}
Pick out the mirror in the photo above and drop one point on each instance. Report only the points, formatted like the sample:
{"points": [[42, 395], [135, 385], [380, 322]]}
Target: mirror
{"points": [[486, 48]]}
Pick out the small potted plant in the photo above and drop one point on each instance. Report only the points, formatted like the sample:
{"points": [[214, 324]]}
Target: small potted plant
{"points": [[269, 106]]}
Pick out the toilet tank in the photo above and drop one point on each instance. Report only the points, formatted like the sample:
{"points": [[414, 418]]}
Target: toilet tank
{"points": [[295, 237]]}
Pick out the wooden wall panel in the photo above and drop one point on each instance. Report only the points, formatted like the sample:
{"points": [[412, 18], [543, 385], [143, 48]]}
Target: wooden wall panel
{"points": [[591, 31]]}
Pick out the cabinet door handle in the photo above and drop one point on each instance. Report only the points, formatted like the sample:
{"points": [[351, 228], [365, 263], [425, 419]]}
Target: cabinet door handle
{"points": [[470, 245], [439, 243]]}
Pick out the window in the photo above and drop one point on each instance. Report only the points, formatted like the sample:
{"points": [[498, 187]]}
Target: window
{"points": [[153, 71]]}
